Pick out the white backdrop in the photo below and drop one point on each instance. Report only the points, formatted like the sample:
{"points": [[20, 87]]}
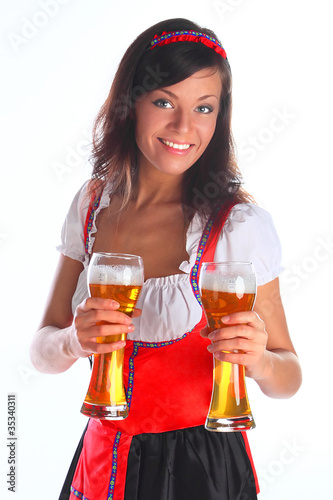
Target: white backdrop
{"points": [[58, 58]]}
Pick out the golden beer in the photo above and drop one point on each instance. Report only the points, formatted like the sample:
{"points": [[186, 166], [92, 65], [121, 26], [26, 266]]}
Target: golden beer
{"points": [[106, 394], [229, 393], [106, 385], [229, 408]]}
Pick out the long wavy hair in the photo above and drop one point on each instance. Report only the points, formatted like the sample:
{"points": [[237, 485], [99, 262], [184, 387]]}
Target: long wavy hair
{"points": [[214, 178]]}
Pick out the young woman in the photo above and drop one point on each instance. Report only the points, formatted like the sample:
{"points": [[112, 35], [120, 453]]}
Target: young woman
{"points": [[165, 185]]}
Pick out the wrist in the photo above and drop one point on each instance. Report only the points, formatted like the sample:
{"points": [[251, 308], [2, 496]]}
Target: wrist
{"points": [[54, 350], [265, 371], [73, 347], [281, 376]]}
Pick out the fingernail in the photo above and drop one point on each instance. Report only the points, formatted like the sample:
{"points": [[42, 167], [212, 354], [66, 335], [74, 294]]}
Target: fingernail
{"points": [[225, 319], [210, 348], [211, 336], [130, 328]]}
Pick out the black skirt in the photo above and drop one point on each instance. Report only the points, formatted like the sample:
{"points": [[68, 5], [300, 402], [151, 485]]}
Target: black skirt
{"points": [[185, 464]]}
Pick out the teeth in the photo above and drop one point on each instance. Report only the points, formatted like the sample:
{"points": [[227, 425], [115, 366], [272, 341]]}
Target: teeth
{"points": [[176, 146]]}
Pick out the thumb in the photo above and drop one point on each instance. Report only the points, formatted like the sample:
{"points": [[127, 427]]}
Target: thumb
{"points": [[205, 332]]}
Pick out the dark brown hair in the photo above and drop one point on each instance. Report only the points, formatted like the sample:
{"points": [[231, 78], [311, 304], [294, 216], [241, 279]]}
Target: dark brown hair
{"points": [[215, 177]]}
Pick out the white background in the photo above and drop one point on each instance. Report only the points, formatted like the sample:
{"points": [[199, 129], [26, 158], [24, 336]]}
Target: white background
{"points": [[58, 58]]}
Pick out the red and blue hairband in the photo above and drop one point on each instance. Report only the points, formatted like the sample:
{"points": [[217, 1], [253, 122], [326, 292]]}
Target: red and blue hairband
{"points": [[188, 36]]}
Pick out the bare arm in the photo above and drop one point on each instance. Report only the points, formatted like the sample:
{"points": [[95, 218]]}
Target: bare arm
{"points": [[262, 337], [281, 376], [61, 338]]}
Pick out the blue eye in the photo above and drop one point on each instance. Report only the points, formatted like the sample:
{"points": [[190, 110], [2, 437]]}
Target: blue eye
{"points": [[205, 109], [162, 103]]}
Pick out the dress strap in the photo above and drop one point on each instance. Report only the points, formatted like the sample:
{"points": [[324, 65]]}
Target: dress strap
{"points": [[207, 245], [217, 226]]}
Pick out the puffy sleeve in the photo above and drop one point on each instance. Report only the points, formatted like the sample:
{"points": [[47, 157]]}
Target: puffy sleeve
{"points": [[249, 235], [72, 233]]}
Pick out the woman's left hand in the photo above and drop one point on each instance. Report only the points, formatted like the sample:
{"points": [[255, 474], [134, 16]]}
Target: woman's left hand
{"points": [[242, 341]]}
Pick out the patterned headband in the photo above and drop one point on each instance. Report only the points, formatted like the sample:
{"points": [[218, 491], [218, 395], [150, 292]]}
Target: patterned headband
{"points": [[188, 36]]}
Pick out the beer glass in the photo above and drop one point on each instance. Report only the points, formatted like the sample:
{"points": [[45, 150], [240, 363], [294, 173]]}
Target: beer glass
{"points": [[119, 277], [227, 287]]}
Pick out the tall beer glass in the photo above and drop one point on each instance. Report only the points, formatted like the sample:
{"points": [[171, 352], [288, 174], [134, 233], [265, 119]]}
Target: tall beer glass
{"points": [[227, 287], [119, 277]]}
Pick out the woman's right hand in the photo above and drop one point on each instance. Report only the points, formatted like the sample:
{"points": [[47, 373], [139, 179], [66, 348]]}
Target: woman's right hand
{"points": [[87, 325]]}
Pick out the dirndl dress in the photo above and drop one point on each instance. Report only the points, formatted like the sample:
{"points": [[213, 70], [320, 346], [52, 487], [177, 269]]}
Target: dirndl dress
{"points": [[162, 451]]}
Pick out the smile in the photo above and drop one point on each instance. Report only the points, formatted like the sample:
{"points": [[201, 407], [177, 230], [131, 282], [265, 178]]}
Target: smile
{"points": [[175, 145]]}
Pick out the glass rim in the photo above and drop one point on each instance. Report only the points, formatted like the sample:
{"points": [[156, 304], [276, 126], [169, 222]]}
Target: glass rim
{"points": [[117, 254], [228, 263]]}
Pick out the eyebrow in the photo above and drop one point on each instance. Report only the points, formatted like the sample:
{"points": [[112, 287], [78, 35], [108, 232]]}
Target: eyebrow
{"points": [[176, 97]]}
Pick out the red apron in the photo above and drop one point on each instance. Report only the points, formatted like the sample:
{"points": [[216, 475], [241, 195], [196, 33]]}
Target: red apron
{"points": [[169, 387]]}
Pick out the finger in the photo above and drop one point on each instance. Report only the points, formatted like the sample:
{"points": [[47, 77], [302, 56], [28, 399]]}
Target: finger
{"points": [[230, 332], [98, 303], [205, 332], [249, 317], [136, 313], [238, 343], [97, 348], [235, 344], [109, 329], [97, 315], [240, 358]]}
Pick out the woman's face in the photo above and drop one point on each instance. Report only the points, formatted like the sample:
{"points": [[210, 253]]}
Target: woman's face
{"points": [[174, 125]]}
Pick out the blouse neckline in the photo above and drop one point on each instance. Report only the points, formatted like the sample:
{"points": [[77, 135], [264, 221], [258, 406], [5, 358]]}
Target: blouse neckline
{"points": [[193, 235]]}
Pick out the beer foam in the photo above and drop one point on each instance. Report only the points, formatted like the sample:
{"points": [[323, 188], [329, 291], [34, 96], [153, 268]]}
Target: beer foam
{"points": [[115, 275], [219, 282]]}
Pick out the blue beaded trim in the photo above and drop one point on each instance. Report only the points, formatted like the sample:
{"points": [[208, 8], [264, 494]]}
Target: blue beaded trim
{"points": [[160, 344], [94, 207], [195, 268], [175, 33], [113, 471], [136, 345], [114, 465], [129, 391], [78, 494]]}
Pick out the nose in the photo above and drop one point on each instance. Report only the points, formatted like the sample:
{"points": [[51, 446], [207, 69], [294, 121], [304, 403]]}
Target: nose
{"points": [[181, 121]]}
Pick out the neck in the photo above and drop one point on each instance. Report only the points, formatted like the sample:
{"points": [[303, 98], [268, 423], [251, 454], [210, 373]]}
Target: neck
{"points": [[155, 187]]}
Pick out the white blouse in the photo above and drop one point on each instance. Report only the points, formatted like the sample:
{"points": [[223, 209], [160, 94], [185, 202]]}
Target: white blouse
{"points": [[169, 307]]}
